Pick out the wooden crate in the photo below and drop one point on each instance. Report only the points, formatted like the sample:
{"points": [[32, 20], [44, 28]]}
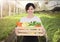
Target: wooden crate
{"points": [[29, 31]]}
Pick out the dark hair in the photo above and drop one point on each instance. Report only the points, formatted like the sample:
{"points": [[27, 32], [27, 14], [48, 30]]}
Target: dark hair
{"points": [[28, 5]]}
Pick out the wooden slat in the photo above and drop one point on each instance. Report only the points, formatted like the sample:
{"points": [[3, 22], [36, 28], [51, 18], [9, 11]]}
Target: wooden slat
{"points": [[30, 31]]}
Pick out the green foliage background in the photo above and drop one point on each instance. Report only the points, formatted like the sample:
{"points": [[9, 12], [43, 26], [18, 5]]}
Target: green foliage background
{"points": [[51, 22]]}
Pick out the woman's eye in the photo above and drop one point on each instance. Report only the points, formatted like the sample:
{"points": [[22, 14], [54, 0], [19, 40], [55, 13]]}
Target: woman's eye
{"points": [[31, 9]]}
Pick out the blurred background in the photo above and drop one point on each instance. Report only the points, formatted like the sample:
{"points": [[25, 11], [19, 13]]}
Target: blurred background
{"points": [[11, 12], [12, 7]]}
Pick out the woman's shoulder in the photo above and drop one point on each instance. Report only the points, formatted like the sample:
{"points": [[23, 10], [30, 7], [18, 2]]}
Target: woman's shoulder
{"points": [[22, 18], [36, 17]]}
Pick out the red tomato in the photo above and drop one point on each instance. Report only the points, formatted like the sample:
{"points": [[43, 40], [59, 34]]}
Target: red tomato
{"points": [[19, 24]]}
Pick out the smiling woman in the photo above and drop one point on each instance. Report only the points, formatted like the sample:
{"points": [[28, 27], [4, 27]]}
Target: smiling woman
{"points": [[30, 8]]}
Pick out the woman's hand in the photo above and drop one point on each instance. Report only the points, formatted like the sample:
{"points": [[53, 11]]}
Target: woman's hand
{"points": [[42, 31], [17, 29]]}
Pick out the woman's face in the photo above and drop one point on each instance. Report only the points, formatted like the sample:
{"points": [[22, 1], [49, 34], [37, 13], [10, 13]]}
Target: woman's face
{"points": [[30, 10]]}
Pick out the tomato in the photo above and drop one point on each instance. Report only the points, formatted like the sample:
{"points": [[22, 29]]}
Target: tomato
{"points": [[19, 24], [37, 25]]}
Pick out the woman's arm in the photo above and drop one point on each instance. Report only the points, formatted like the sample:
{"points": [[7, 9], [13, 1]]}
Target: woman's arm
{"points": [[16, 30], [43, 29]]}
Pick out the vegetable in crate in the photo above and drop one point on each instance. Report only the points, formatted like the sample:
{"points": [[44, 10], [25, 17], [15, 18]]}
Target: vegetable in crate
{"points": [[19, 24], [25, 24], [37, 24]]}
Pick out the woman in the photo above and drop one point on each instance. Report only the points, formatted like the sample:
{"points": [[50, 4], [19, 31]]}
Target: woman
{"points": [[30, 18]]}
